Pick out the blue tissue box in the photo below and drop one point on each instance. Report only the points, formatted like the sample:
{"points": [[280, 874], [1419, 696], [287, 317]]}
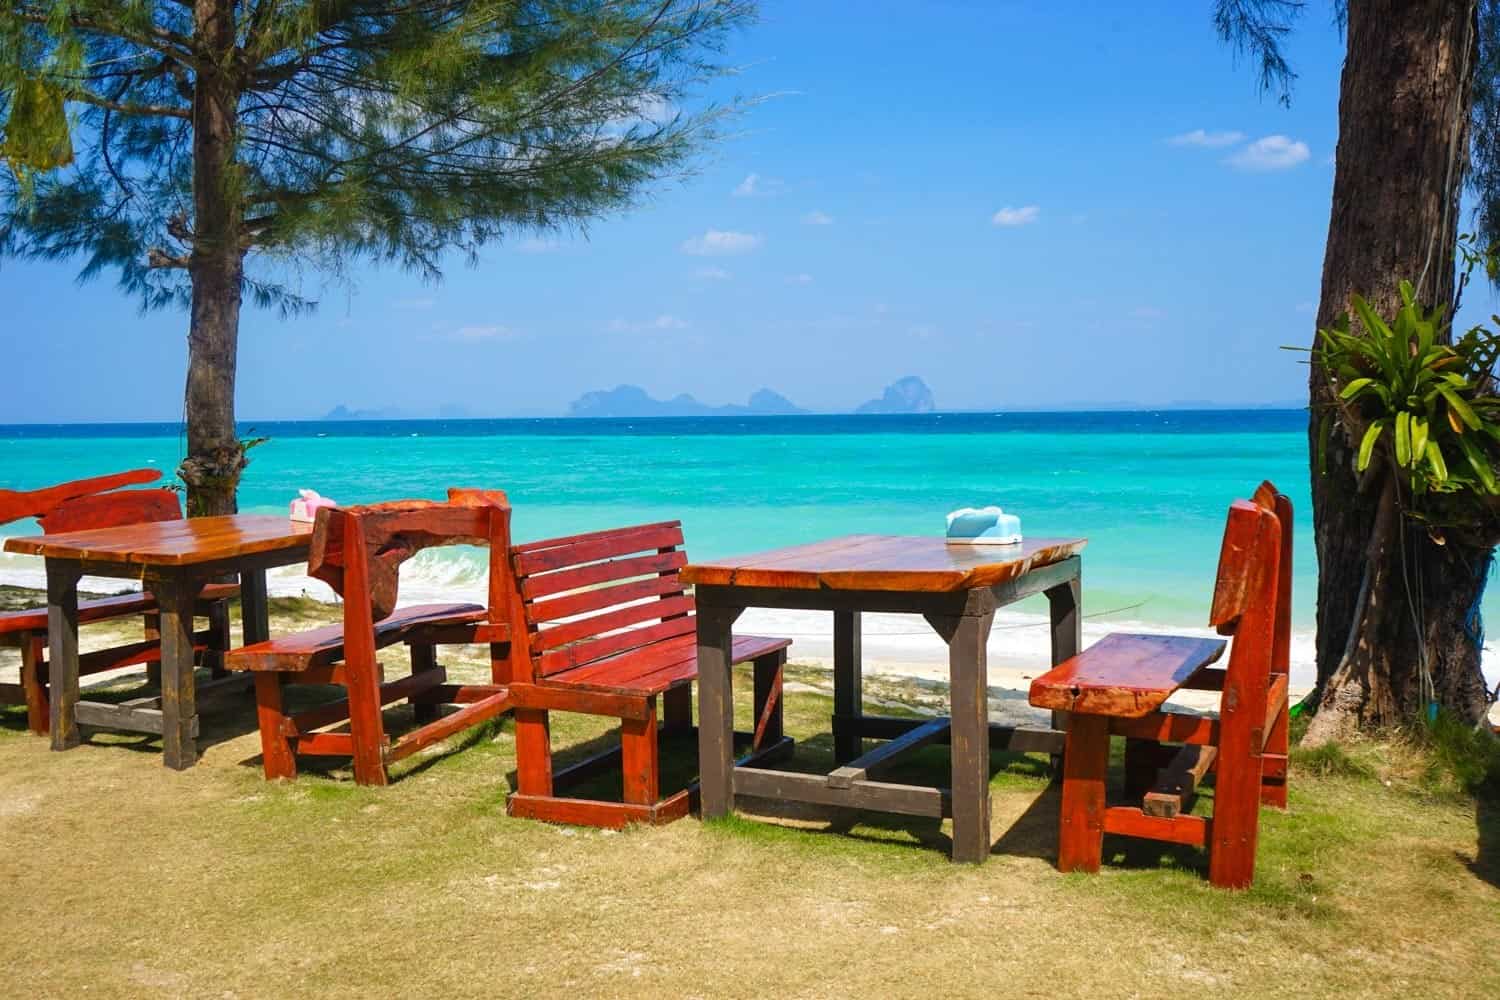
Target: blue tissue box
{"points": [[983, 526]]}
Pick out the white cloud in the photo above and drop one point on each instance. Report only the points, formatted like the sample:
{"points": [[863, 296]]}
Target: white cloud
{"points": [[478, 334], [666, 321], [747, 188], [1023, 216], [712, 274], [720, 243], [816, 218], [800, 279], [1206, 139], [1274, 152]]}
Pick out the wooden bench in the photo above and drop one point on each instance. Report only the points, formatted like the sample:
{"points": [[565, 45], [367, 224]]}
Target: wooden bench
{"points": [[358, 551], [1119, 685], [609, 628], [100, 502]]}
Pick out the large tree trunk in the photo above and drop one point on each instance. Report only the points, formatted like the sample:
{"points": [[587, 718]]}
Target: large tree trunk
{"points": [[214, 459], [1393, 603]]}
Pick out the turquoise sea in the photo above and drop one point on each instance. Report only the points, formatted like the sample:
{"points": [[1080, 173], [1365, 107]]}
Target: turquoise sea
{"points": [[1148, 489]]}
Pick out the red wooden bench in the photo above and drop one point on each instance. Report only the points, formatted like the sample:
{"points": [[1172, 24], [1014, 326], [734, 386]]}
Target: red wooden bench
{"points": [[609, 628], [1118, 686], [99, 502], [358, 551]]}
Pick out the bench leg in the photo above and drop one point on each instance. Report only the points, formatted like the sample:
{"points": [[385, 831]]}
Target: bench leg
{"points": [[423, 658], [1236, 822], [677, 707], [533, 752], [153, 634], [33, 653], [640, 757], [1080, 836], [366, 725], [218, 639], [276, 754], [1273, 790], [768, 675]]}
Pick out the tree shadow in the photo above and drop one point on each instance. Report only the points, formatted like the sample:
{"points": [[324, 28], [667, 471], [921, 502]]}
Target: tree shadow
{"points": [[1486, 863]]}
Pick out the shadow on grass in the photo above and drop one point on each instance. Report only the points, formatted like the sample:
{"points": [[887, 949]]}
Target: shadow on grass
{"points": [[1486, 863]]}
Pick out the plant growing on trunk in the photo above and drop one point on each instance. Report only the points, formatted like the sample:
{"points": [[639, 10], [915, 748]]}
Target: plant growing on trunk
{"points": [[206, 149]]}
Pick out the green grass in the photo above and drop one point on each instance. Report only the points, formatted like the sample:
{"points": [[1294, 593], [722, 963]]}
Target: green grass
{"points": [[124, 879]]}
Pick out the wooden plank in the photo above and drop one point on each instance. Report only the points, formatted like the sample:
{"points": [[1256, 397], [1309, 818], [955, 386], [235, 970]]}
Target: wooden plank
{"points": [[1011, 739], [1124, 675], [1276, 705], [194, 541], [594, 649], [16, 504], [1178, 782], [542, 698], [888, 563], [602, 572], [536, 559], [338, 711], [598, 598], [62, 651], [603, 534], [1080, 840], [323, 646], [175, 595], [108, 510], [969, 736], [125, 717], [859, 769], [325, 745], [1168, 727], [553, 636], [255, 607], [1126, 821], [96, 610], [716, 711], [448, 725], [588, 812], [788, 786]]}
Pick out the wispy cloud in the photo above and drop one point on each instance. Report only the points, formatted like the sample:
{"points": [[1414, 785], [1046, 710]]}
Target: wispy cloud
{"points": [[748, 187], [712, 274], [799, 279], [756, 185], [816, 218], [1023, 216], [1274, 152], [537, 244], [1207, 139], [666, 321], [721, 243]]}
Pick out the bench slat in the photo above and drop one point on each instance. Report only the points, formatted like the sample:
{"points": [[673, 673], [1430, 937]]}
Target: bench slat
{"points": [[606, 545], [534, 587], [1124, 675], [554, 636], [596, 649], [604, 597], [325, 645], [658, 667]]}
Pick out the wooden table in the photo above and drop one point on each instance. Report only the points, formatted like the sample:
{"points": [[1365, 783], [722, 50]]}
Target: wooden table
{"points": [[957, 588], [173, 560]]}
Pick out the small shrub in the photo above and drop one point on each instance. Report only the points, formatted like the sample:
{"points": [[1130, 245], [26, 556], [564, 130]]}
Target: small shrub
{"points": [[1470, 757], [1330, 761]]}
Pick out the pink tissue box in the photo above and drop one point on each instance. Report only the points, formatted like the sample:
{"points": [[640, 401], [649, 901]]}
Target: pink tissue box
{"points": [[306, 506]]}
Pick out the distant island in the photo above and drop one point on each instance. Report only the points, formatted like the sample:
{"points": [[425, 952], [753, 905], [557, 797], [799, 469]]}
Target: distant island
{"points": [[907, 395], [633, 401], [342, 412]]}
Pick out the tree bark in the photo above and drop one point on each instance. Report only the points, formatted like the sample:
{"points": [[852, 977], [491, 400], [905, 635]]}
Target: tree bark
{"points": [[1393, 602], [215, 457]]}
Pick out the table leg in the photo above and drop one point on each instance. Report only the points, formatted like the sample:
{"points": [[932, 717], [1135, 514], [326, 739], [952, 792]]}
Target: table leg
{"points": [[968, 671], [255, 621], [1066, 605], [848, 686], [715, 710], [62, 651], [175, 596]]}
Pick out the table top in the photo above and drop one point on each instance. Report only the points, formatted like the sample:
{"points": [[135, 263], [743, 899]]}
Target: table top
{"points": [[911, 564], [171, 543]]}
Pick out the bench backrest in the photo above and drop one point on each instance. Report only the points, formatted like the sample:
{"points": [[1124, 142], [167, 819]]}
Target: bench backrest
{"points": [[358, 551], [87, 500], [110, 510], [587, 597], [1252, 603]]}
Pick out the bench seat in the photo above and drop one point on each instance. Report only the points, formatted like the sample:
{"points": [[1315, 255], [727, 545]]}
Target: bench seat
{"points": [[659, 667], [1124, 675], [323, 646], [104, 609]]}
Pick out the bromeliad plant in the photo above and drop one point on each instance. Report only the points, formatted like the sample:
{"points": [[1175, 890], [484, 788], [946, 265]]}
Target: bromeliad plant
{"points": [[1426, 406]]}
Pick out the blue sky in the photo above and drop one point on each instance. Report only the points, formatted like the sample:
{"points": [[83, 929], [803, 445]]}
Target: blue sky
{"points": [[1027, 204]]}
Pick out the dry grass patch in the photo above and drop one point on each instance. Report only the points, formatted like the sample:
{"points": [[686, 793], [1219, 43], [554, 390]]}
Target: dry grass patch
{"points": [[124, 879]]}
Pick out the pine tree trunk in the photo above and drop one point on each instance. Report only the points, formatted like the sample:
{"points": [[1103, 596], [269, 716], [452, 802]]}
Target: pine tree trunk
{"points": [[215, 458], [1393, 604]]}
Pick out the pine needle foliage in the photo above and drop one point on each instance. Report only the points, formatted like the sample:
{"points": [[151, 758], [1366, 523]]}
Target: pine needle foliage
{"points": [[399, 131]]}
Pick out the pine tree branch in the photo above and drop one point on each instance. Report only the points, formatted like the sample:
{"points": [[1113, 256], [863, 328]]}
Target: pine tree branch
{"points": [[126, 108]]}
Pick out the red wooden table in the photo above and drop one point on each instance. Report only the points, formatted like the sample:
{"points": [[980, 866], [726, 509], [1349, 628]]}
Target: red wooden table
{"points": [[173, 560], [957, 589]]}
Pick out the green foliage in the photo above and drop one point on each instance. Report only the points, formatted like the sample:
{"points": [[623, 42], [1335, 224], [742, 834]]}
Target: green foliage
{"points": [[365, 130], [1464, 754], [1411, 398], [1329, 760]]}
